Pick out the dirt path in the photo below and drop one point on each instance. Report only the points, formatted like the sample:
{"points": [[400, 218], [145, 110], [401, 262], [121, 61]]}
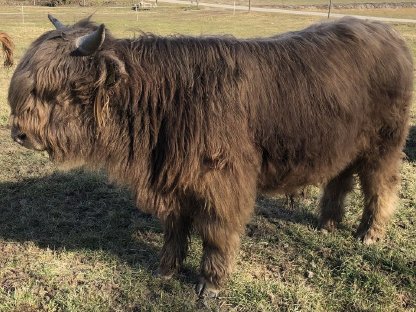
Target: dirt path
{"points": [[294, 12]]}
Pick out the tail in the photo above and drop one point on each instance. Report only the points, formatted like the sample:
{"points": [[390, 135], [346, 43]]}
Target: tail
{"points": [[8, 48]]}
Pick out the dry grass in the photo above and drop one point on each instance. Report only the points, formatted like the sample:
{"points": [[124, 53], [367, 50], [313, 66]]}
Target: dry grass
{"points": [[71, 241]]}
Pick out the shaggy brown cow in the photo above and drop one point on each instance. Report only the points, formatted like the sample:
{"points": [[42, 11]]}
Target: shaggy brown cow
{"points": [[197, 126], [7, 45]]}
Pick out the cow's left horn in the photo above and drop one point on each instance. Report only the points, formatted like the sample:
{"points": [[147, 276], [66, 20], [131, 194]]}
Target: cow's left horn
{"points": [[56, 22], [88, 44]]}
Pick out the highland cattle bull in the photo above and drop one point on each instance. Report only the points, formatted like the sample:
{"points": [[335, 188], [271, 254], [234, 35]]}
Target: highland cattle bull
{"points": [[198, 126], [7, 47]]}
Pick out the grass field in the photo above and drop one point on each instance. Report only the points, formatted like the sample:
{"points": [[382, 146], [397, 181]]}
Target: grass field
{"points": [[71, 241], [266, 3], [409, 13]]}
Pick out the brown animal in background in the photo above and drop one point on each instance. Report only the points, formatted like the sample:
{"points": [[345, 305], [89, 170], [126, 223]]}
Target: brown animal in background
{"points": [[8, 46], [198, 126]]}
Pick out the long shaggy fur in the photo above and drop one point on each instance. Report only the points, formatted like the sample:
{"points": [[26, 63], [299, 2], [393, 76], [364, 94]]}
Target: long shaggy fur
{"points": [[197, 126], [8, 47]]}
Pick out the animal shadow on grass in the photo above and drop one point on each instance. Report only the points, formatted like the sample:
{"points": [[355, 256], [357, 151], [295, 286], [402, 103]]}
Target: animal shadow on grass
{"points": [[291, 210], [410, 148], [78, 210]]}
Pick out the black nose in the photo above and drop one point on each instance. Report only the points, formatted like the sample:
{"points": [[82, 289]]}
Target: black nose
{"points": [[18, 136]]}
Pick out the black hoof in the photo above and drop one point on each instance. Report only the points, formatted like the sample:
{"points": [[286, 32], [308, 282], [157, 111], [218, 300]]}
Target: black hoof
{"points": [[205, 289], [163, 275]]}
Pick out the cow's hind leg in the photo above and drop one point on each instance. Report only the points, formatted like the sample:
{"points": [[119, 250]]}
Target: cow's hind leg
{"points": [[176, 235], [332, 201], [379, 180]]}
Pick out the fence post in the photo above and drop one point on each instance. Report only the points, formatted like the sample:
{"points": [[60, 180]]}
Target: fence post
{"points": [[329, 7]]}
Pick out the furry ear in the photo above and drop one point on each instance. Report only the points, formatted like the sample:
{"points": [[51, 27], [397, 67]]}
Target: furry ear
{"points": [[115, 70], [112, 72]]}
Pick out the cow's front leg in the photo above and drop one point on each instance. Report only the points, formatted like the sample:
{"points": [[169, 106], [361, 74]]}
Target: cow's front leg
{"points": [[176, 235], [220, 245], [228, 205]]}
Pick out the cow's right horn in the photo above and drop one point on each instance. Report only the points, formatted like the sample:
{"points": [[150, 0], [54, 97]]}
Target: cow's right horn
{"points": [[56, 22], [88, 44]]}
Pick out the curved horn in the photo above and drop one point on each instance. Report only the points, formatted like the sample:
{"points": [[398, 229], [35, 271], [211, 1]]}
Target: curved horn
{"points": [[56, 22], [88, 44]]}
